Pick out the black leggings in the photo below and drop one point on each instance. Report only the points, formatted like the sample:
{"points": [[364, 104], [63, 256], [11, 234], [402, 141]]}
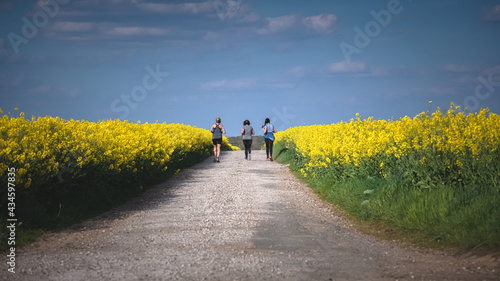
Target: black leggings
{"points": [[269, 148], [248, 147]]}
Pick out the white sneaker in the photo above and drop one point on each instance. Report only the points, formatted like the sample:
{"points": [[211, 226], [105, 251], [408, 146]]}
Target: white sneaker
{"points": [[249, 156]]}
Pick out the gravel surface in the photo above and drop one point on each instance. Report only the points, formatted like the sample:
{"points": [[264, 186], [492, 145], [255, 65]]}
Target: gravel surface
{"points": [[234, 220]]}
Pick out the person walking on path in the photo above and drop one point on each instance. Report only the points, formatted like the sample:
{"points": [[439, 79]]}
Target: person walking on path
{"points": [[246, 135], [217, 130], [269, 131]]}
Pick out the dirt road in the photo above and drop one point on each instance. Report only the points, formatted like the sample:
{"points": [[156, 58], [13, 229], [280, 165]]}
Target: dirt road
{"points": [[234, 220]]}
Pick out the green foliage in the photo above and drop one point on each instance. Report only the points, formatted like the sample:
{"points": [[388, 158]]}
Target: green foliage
{"points": [[449, 202], [67, 171]]}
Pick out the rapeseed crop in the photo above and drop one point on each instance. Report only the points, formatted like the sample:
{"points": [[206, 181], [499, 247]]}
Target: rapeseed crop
{"points": [[438, 173], [60, 164]]}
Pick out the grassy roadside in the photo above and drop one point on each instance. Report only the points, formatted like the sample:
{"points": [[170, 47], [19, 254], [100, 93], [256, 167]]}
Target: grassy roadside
{"points": [[391, 209], [63, 171], [88, 198]]}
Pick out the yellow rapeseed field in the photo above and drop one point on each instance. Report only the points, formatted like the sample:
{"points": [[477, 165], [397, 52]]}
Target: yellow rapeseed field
{"points": [[60, 171], [450, 136], [45, 148], [435, 175]]}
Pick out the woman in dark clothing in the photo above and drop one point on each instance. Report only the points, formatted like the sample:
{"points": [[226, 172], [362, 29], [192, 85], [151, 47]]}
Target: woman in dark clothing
{"points": [[269, 131], [246, 135], [217, 130]]}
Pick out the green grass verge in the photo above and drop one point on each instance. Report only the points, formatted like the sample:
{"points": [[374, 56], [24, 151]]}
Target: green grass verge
{"points": [[467, 218]]}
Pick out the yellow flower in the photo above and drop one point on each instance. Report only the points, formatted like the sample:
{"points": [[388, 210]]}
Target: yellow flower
{"points": [[443, 133]]}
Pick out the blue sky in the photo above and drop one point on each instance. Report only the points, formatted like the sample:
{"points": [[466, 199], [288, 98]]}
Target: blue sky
{"points": [[296, 62]]}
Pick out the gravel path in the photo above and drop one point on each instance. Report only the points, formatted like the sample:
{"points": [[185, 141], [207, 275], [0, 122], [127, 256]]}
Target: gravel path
{"points": [[234, 220]]}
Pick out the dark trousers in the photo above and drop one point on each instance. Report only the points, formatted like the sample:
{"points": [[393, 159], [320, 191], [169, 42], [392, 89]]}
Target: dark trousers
{"points": [[248, 147], [269, 148]]}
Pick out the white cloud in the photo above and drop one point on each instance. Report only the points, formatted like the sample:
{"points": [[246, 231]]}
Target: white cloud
{"points": [[247, 83], [442, 90], [225, 84], [251, 17], [70, 92], [493, 14], [321, 23], [114, 2], [42, 89], [347, 67], [465, 79], [134, 30], [379, 71], [298, 71], [101, 2], [280, 85], [458, 68], [495, 70], [492, 74], [277, 24], [185, 8], [17, 81], [211, 36], [68, 26]]}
